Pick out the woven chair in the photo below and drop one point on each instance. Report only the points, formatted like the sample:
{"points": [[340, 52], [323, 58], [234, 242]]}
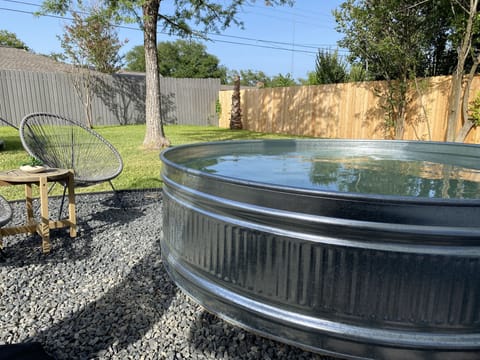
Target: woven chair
{"points": [[63, 143], [5, 216]]}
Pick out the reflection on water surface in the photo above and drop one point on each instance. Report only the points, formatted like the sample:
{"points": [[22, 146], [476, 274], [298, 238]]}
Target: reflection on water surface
{"points": [[380, 174]]}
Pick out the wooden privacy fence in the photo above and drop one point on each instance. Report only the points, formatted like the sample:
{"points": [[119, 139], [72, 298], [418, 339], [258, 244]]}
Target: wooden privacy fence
{"points": [[118, 99], [346, 111]]}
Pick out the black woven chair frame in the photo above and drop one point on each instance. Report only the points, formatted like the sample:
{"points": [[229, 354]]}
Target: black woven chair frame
{"points": [[63, 143]]}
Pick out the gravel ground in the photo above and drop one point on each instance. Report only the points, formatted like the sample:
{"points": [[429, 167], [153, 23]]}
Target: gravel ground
{"points": [[106, 295]]}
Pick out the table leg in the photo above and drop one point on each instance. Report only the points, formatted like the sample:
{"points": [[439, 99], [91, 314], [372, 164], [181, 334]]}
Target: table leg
{"points": [[71, 206], [45, 217], [29, 203]]}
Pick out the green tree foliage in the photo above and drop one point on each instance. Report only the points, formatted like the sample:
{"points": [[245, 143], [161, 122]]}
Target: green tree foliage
{"points": [[330, 68], [60, 57], [251, 78], [396, 37], [258, 79], [281, 80], [10, 39], [439, 53], [310, 80], [357, 73], [92, 41], [388, 37], [474, 110], [401, 40], [135, 59], [179, 59]]}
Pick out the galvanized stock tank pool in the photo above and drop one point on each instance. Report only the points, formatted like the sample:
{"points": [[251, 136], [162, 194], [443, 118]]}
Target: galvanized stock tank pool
{"points": [[364, 249]]}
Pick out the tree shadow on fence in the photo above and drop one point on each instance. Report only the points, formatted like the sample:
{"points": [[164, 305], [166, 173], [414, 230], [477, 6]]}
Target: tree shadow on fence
{"points": [[169, 108], [299, 111], [124, 95]]}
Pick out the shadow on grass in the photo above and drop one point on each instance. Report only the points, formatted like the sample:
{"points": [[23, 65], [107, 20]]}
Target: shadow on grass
{"points": [[11, 137], [12, 143]]}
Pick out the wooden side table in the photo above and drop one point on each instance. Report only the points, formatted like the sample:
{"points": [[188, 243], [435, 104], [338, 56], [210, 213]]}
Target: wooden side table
{"points": [[43, 226]]}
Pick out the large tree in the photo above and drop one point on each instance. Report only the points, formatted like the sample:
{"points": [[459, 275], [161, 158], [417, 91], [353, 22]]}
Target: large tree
{"points": [[464, 37], [388, 37], [179, 59], [187, 16], [92, 41], [401, 40], [398, 41]]}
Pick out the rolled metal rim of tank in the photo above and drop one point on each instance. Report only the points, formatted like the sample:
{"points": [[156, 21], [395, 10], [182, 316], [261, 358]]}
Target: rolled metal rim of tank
{"points": [[322, 269]]}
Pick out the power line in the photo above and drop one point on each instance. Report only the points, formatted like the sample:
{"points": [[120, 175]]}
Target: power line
{"points": [[295, 11], [266, 47], [310, 46], [285, 19], [264, 43]]}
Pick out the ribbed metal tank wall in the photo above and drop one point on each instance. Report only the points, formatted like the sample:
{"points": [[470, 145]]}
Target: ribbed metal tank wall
{"points": [[360, 276]]}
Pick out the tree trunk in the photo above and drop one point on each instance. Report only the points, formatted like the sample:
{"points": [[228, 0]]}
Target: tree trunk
{"points": [[467, 123], [454, 102], [457, 79], [88, 100], [236, 115], [154, 134], [401, 104], [82, 83]]}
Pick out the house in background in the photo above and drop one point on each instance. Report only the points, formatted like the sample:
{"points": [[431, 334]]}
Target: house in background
{"points": [[23, 60]]}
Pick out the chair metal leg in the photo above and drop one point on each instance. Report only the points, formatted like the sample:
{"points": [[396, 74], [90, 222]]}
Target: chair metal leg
{"points": [[116, 195], [63, 200]]}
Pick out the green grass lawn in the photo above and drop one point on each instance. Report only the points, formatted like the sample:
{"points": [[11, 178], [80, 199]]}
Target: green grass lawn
{"points": [[141, 167]]}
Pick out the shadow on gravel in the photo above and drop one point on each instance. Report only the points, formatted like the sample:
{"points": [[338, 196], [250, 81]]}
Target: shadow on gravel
{"points": [[212, 334], [27, 250], [118, 320], [23, 250], [125, 311]]}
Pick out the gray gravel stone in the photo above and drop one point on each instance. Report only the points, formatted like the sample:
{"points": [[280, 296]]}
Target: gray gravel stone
{"points": [[106, 295]]}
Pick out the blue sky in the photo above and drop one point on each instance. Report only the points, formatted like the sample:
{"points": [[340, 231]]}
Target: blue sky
{"points": [[274, 39]]}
